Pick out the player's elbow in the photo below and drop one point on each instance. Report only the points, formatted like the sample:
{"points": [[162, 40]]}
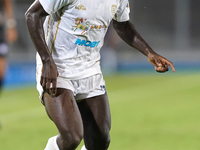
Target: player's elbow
{"points": [[31, 17], [28, 15]]}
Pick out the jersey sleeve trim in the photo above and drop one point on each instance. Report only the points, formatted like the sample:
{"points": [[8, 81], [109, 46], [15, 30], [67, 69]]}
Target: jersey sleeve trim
{"points": [[123, 11]]}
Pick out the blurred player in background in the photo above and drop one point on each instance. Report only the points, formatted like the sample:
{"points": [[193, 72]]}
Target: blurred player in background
{"points": [[69, 77], [8, 33]]}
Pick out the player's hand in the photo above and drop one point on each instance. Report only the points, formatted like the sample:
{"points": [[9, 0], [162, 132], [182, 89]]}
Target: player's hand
{"points": [[161, 64], [49, 77]]}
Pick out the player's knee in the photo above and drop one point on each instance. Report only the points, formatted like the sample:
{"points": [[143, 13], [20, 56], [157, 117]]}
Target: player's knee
{"points": [[104, 144], [71, 144], [71, 139], [101, 143]]}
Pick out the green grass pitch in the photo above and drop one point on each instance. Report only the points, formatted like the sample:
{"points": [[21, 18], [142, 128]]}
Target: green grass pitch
{"points": [[149, 112]]}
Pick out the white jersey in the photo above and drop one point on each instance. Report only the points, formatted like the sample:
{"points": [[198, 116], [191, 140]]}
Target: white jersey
{"points": [[75, 31]]}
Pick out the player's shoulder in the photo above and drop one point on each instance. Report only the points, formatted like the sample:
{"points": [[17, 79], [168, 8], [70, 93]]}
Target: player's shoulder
{"points": [[121, 2], [72, 1], [125, 0], [60, 2], [51, 6]]}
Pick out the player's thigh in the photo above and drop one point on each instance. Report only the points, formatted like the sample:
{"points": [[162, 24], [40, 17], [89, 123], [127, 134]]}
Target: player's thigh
{"points": [[96, 116], [63, 110]]}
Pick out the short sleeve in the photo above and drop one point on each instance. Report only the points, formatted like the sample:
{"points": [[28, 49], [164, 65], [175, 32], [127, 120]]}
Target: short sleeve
{"points": [[122, 13], [51, 6]]}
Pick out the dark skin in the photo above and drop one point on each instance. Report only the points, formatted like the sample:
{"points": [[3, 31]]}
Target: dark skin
{"points": [[128, 33], [90, 116], [34, 20]]}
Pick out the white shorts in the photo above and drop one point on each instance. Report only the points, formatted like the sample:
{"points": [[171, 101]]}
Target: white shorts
{"points": [[82, 88]]}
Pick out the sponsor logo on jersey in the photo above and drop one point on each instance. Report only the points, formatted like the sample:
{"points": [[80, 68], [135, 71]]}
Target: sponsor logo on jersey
{"points": [[81, 24], [80, 7], [87, 43]]}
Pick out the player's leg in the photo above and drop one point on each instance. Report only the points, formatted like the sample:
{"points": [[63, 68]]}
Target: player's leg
{"points": [[96, 117], [63, 111]]}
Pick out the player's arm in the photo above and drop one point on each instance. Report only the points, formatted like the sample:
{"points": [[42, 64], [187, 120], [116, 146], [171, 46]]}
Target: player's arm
{"points": [[34, 20], [128, 33], [11, 32]]}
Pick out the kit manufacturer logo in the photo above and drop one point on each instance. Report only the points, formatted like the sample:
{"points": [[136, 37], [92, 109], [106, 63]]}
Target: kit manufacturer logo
{"points": [[80, 7]]}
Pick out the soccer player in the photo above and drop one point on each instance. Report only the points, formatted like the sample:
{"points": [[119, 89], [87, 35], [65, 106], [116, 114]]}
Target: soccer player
{"points": [[7, 25], [69, 78]]}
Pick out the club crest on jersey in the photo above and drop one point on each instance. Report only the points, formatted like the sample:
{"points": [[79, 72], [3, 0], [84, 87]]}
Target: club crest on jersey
{"points": [[113, 9]]}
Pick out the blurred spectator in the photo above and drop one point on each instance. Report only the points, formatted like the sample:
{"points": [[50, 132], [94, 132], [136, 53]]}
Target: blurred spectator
{"points": [[8, 33]]}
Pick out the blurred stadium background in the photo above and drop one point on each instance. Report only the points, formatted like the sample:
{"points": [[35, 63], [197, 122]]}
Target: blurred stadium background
{"points": [[164, 107]]}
